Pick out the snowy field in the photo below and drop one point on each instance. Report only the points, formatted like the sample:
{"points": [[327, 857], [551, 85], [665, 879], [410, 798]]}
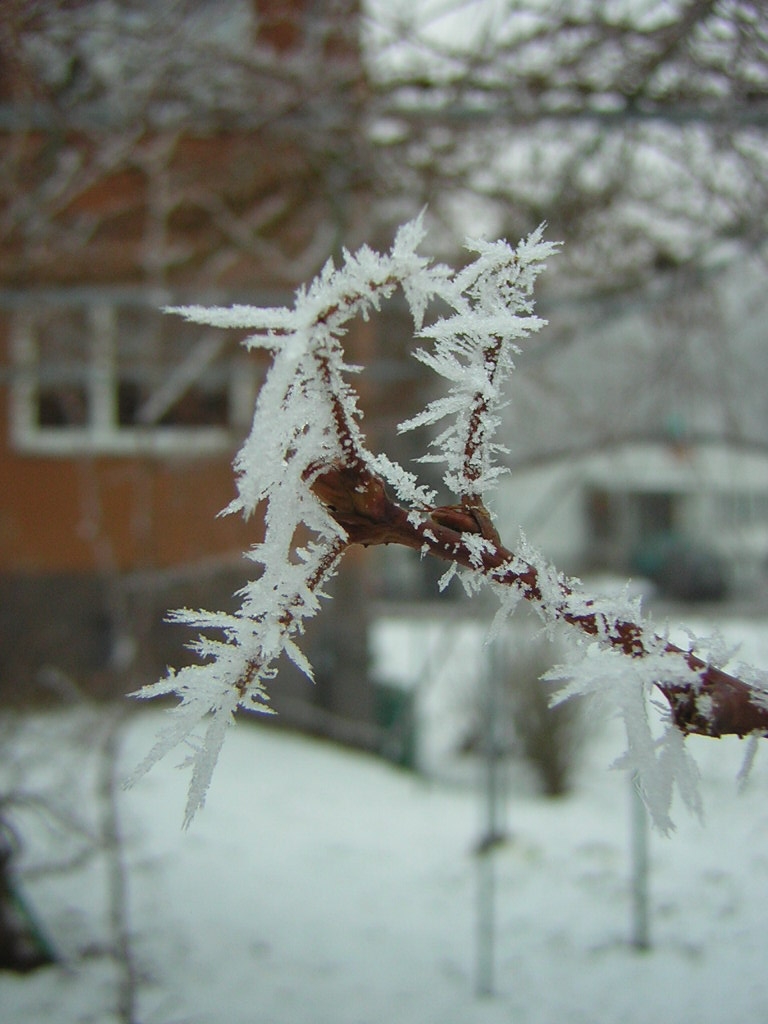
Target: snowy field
{"points": [[319, 886]]}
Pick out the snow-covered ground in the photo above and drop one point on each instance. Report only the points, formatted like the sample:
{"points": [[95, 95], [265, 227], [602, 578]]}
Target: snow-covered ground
{"points": [[320, 886]]}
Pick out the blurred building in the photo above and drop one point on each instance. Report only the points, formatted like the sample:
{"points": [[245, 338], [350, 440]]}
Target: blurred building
{"points": [[690, 519], [204, 151]]}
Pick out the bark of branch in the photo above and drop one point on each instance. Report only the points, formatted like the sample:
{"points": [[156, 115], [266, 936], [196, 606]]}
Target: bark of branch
{"points": [[717, 704]]}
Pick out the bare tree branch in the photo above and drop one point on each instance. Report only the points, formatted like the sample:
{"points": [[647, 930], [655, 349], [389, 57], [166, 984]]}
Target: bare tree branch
{"points": [[717, 705]]}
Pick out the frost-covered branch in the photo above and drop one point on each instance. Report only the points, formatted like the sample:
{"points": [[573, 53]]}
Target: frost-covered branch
{"points": [[703, 698], [620, 658], [306, 419], [474, 351], [307, 464]]}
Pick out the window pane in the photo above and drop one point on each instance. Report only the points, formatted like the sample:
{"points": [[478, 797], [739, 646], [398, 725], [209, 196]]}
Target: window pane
{"points": [[62, 362], [169, 373]]}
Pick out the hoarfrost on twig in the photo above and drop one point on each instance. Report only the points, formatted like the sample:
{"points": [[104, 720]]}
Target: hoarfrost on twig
{"points": [[307, 464]]}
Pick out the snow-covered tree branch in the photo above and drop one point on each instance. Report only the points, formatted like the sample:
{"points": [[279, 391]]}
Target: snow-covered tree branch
{"points": [[306, 463]]}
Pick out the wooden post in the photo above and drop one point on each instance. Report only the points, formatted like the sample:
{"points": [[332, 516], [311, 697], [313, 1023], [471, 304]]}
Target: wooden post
{"points": [[639, 843], [492, 834]]}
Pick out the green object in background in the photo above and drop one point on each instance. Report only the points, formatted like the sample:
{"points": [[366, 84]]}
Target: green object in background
{"points": [[394, 710], [24, 945], [34, 948], [680, 568]]}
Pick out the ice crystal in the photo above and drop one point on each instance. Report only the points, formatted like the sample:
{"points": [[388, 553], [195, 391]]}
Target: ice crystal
{"points": [[306, 418], [474, 349]]}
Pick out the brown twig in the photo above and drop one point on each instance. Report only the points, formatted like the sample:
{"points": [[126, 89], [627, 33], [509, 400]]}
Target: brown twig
{"points": [[290, 620], [476, 433], [714, 704]]}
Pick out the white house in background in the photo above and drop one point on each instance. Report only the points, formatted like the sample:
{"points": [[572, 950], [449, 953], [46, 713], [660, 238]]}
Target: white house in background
{"points": [[694, 518]]}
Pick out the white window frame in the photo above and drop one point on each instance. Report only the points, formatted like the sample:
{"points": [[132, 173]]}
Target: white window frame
{"points": [[103, 433]]}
